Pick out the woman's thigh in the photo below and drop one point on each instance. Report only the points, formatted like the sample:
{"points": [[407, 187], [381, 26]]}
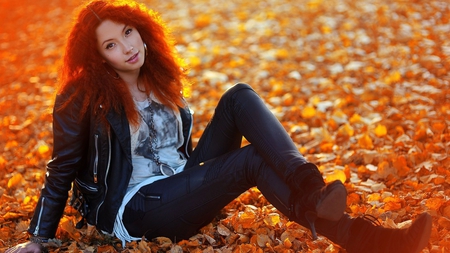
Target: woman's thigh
{"points": [[178, 206]]}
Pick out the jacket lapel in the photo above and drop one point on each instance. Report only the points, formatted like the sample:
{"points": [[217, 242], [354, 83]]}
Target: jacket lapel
{"points": [[121, 128]]}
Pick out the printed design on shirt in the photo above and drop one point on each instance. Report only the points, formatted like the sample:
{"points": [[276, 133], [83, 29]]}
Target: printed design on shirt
{"points": [[165, 124]]}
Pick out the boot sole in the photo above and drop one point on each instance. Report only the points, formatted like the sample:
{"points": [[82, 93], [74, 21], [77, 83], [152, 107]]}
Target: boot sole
{"points": [[333, 205]]}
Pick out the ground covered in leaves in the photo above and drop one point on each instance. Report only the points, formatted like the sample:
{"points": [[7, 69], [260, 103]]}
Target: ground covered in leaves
{"points": [[361, 86]]}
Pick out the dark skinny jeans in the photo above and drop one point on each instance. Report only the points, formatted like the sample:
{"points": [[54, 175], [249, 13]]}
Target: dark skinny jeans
{"points": [[219, 170]]}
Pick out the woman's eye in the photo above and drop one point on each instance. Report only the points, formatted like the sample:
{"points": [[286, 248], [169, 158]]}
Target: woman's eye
{"points": [[110, 45], [128, 31]]}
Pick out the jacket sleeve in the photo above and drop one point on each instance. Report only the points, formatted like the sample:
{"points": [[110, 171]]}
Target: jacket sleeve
{"points": [[70, 142]]}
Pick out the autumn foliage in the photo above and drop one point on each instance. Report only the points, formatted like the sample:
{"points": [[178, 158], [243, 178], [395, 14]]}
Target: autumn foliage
{"points": [[362, 87]]}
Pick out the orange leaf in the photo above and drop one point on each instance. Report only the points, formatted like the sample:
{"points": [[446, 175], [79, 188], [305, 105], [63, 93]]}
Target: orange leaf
{"points": [[2, 162], [401, 166], [287, 243], [444, 222], [353, 198], [365, 142], [434, 203], [107, 249]]}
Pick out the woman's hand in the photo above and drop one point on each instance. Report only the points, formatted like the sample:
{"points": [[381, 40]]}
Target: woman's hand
{"points": [[26, 247]]}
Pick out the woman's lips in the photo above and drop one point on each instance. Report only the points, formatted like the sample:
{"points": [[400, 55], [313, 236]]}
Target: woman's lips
{"points": [[133, 58]]}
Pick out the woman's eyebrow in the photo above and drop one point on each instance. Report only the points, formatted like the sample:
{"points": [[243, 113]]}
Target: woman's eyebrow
{"points": [[123, 30]]}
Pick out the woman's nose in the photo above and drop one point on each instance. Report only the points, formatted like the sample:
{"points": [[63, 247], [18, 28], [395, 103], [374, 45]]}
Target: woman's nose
{"points": [[129, 49]]}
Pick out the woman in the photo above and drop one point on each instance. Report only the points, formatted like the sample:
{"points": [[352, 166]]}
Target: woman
{"points": [[121, 136]]}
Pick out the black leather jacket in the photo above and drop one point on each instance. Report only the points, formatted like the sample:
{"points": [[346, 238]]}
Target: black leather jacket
{"points": [[96, 158]]}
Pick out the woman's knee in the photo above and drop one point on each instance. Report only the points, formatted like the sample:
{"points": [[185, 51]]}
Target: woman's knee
{"points": [[241, 89], [238, 87]]}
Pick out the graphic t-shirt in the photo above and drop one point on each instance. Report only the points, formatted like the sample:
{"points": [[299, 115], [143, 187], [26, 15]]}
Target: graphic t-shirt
{"points": [[165, 142]]}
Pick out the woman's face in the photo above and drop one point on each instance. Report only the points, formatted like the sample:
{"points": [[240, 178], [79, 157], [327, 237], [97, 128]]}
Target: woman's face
{"points": [[121, 47]]}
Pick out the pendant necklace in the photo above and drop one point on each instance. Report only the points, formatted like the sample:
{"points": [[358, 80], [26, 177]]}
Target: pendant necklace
{"points": [[165, 169]]}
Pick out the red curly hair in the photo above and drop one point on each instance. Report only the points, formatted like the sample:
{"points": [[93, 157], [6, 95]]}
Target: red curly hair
{"points": [[84, 72]]}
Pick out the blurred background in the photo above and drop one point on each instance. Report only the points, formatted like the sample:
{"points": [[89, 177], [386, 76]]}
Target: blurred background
{"points": [[361, 86]]}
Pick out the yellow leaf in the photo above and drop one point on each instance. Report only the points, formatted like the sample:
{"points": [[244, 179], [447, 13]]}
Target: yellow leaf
{"points": [[43, 149], [203, 21], [26, 200], [15, 180], [308, 112], [325, 29], [194, 61], [369, 69], [346, 130], [380, 130], [336, 175], [374, 197], [356, 118], [314, 4], [247, 218], [393, 77], [272, 219], [282, 54]]}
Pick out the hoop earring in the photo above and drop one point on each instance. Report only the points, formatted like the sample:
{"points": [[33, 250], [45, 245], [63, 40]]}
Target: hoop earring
{"points": [[106, 68], [145, 49]]}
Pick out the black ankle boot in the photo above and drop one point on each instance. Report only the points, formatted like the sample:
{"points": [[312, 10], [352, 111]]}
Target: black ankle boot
{"points": [[365, 236], [313, 199], [306, 178]]}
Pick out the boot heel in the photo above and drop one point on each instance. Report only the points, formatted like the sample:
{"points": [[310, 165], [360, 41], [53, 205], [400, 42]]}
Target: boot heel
{"points": [[311, 217]]}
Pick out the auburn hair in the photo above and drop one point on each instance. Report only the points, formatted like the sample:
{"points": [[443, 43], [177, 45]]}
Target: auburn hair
{"points": [[85, 73]]}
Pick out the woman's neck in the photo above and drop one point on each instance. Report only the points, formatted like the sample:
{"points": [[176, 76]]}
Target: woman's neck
{"points": [[138, 93], [137, 90]]}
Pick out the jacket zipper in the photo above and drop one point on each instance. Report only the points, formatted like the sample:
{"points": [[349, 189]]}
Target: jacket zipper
{"points": [[106, 176], [149, 196], [96, 159], [36, 230], [189, 133], [87, 187]]}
